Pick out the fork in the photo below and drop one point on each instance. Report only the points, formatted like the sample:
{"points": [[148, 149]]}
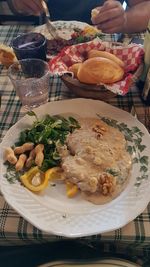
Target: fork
{"points": [[50, 27]]}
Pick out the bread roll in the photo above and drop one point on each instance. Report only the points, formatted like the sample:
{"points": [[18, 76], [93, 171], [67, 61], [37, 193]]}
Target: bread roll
{"points": [[94, 12], [7, 56], [74, 68], [97, 53], [99, 70]]}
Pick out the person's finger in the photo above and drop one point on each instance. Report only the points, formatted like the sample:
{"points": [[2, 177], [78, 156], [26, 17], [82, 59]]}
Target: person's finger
{"points": [[39, 4], [109, 10], [25, 9], [33, 7], [108, 15], [111, 26], [113, 30], [109, 4]]}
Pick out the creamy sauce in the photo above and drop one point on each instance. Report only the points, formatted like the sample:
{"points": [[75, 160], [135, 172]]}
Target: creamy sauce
{"points": [[96, 160]]}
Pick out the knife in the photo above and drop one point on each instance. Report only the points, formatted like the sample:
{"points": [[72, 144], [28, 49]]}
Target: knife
{"points": [[51, 28]]}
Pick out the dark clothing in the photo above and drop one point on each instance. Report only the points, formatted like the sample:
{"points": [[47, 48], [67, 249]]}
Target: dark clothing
{"points": [[73, 9], [69, 9]]}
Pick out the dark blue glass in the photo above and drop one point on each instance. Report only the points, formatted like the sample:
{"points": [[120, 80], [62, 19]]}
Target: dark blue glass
{"points": [[30, 45]]}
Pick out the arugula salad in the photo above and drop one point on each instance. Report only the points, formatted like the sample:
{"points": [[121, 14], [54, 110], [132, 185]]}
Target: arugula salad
{"points": [[34, 158]]}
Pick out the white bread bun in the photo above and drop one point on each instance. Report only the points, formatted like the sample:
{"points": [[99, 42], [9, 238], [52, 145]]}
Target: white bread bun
{"points": [[97, 53], [74, 68], [94, 12], [99, 70]]}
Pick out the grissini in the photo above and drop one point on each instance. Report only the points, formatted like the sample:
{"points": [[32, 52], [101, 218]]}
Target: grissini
{"points": [[99, 70], [97, 53]]}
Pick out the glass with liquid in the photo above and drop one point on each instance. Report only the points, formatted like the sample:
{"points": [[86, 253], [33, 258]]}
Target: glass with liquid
{"points": [[30, 78], [30, 45]]}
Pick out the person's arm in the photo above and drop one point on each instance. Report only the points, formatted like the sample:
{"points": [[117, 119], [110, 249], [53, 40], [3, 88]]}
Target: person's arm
{"points": [[32, 7], [112, 18], [137, 16], [12, 8]]}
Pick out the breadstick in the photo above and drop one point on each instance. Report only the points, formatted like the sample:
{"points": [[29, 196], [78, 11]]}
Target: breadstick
{"points": [[25, 147], [30, 159], [20, 163], [39, 155], [10, 156]]}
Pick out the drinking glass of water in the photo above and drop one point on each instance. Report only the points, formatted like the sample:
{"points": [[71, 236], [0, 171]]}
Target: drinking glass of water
{"points": [[30, 78]]}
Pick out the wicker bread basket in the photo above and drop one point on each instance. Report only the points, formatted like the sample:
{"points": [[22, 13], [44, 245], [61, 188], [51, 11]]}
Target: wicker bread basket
{"points": [[94, 91], [132, 55], [86, 90]]}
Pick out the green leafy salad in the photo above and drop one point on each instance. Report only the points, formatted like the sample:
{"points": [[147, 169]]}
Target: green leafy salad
{"points": [[48, 131]]}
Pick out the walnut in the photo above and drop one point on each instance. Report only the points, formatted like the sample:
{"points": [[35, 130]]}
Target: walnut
{"points": [[103, 129], [99, 135], [99, 130], [107, 183]]}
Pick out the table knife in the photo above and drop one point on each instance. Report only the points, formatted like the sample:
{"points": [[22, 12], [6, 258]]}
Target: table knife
{"points": [[51, 28]]}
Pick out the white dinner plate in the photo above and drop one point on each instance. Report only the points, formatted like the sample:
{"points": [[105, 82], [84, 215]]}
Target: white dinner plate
{"points": [[64, 28], [92, 263], [52, 211]]}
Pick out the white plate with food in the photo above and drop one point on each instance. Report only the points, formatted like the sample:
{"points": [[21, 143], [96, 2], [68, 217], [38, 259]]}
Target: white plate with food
{"points": [[70, 33], [96, 162], [65, 28]]}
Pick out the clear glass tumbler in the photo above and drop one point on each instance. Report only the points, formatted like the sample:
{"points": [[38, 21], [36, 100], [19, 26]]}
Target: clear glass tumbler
{"points": [[30, 78]]}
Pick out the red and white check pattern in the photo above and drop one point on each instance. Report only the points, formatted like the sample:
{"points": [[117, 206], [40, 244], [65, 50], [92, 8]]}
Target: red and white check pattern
{"points": [[131, 55]]}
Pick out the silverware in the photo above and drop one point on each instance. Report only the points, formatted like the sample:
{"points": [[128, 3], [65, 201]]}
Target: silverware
{"points": [[51, 28]]}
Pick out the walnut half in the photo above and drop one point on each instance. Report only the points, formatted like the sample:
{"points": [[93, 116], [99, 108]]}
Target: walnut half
{"points": [[107, 183], [99, 130]]}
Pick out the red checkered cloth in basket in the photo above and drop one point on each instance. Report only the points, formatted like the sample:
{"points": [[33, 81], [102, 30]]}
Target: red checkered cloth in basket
{"points": [[131, 55]]}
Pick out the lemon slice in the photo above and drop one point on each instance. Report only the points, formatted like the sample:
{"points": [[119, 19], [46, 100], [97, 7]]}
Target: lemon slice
{"points": [[71, 189], [34, 180], [55, 173]]}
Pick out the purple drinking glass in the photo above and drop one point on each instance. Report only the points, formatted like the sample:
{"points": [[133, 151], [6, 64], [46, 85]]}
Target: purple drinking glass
{"points": [[30, 45]]}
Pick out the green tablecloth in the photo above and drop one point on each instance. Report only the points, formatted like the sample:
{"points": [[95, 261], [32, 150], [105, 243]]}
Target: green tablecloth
{"points": [[14, 230]]}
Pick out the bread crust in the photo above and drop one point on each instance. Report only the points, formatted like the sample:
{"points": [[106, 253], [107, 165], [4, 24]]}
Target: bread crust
{"points": [[74, 68], [99, 70], [94, 12], [7, 56], [97, 53]]}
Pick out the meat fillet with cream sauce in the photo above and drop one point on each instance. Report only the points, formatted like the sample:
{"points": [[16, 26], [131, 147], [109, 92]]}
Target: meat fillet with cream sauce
{"points": [[96, 160]]}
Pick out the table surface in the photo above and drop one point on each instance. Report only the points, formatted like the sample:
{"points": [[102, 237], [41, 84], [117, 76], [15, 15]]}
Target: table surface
{"points": [[14, 230]]}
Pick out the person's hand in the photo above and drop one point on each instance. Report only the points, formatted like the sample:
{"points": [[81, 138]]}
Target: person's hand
{"points": [[110, 18], [32, 7]]}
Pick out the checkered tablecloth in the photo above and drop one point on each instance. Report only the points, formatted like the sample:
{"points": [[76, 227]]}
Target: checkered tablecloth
{"points": [[14, 230]]}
